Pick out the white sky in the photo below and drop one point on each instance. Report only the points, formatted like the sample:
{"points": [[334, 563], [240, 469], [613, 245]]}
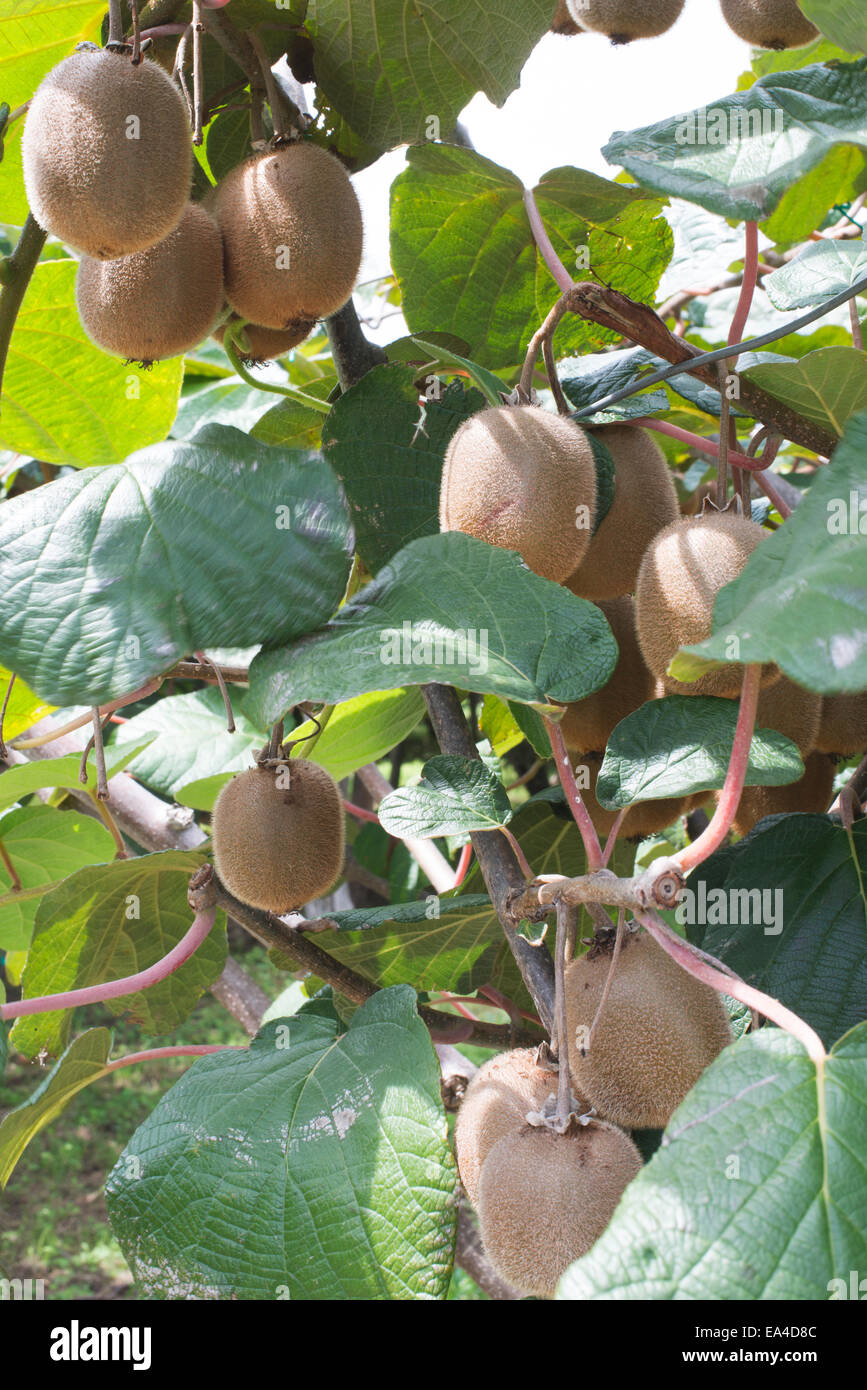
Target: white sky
{"points": [[574, 93]]}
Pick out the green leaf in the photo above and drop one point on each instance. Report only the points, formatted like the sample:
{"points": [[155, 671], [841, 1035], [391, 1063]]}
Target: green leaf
{"points": [[26, 778], [314, 1165], [292, 424], [64, 400], [449, 609], [24, 708], [389, 466], [228, 401], [188, 741], [804, 206], [499, 726], [390, 74], [45, 845], [402, 914], [714, 156], [785, 908], [490, 386], [842, 21], [682, 744], [110, 576], [452, 206], [363, 730], [801, 599], [228, 140], [104, 923], [822, 270], [83, 1062], [758, 1191], [529, 721], [455, 795], [827, 386]]}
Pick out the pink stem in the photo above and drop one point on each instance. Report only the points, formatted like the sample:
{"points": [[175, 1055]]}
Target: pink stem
{"points": [[163, 31], [360, 813], [526, 870], [543, 241], [501, 1001], [463, 865], [732, 985], [748, 288], [130, 984], [698, 441], [592, 846], [713, 835], [157, 1053], [612, 837], [771, 492]]}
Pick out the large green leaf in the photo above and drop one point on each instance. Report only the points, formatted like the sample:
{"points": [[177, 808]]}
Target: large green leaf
{"points": [[189, 741], [828, 386], [454, 796], [843, 21], [759, 1190], [315, 1165], [110, 576], [64, 400], [449, 609], [24, 708], [389, 467], [26, 778], [45, 845], [227, 401], [739, 154], [786, 909], [453, 207], [823, 269], [104, 923], [802, 597]]}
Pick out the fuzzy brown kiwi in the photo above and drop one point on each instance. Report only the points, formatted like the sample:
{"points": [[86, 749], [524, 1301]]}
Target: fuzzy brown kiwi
{"points": [[625, 20], [658, 1031], [524, 479], [292, 232], [813, 792], [264, 344], [563, 23], [587, 723], [643, 819], [769, 23], [88, 182], [546, 1198], [497, 1102], [156, 303], [682, 571], [645, 501], [278, 847], [843, 725]]}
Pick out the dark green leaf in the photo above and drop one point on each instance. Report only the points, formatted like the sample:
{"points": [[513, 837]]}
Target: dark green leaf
{"points": [[454, 796]]}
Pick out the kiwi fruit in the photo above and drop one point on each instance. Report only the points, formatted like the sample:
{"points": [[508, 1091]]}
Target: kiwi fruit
{"points": [[587, 723], [156, 303], [103, 183], [497, 1102], [792, 711], [843, 725], [292, 232], [813, 792], [260, 344], [524, 479], [645, 501], [643, 819], [563, 23], [659, 1029], [625, 20], [277, 847], [682, 571], [769, 23], [546, 1198]]}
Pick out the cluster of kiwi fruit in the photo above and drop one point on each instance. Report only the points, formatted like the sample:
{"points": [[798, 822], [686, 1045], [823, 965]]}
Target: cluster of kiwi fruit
{"points": [[765, 23], [107, 158], [543, 1197]]}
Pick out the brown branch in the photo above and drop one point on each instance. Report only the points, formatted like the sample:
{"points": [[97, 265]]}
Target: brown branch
{"points": [[241, 996], [353, 355], [17, 270], [470, 1256]]}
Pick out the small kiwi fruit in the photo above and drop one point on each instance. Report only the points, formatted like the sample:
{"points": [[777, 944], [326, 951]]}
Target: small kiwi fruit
{"points": [[276, 847], [563, 23], [813, 792], [792, 711], [260, 344], [156, 303], [546, 1198], [107, 154], [587, 723], [625, 20], [658, 1031], [292, 232], [682, 571], [643, 819], [524, 479], [497, 1102], [645, 501], [769, 23], [843, 725]]}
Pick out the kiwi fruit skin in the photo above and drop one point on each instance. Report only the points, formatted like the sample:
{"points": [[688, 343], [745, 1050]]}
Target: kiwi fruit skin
{"points": [[813, 792], [587, 724], [775, 24], [292, 233], [625, 20], [843, 725], [659, 1029], [682, 571], [645, 501], [157, 303], [264, 344], [87, 183], [643, 819], [496, 1104], [546, 1198], [563, 23], [277, 848], [515, 476]]}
